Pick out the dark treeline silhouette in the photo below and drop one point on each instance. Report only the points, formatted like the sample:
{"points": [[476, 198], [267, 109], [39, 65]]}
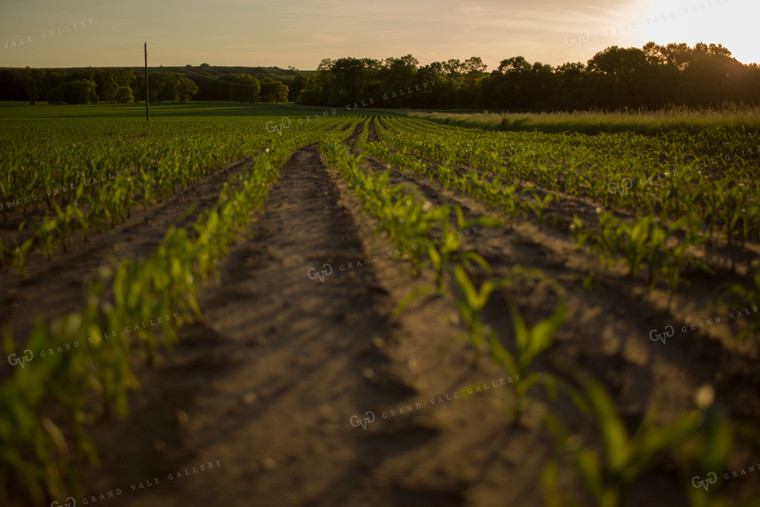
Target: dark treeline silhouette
{"points": [[171, 84], [652, 77]]}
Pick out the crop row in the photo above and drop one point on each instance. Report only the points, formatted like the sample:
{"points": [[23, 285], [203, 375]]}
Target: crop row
{"points": [[663, 177], [48, 404], [615, 239], [666, 247], [86, 185], [608, 460]]}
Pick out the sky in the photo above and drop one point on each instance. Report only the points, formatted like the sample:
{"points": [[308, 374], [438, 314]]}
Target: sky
{"points": [[300, 33]]}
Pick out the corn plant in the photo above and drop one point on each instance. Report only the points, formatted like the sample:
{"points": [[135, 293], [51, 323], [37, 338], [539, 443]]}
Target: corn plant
{"points": [[608, 471], [529, 343], [677, 258], [64, 223], [538, 207], [579, 234], [443, 257], [470, 302], [19, 255], [46, 236]]}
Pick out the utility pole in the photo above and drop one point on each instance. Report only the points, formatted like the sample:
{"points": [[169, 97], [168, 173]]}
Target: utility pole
{"points": [[147, 89]]}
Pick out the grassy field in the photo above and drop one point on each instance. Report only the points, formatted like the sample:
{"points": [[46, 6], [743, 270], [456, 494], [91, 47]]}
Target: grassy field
{"points": [[390, 306], [22, 110], [739, 119]]}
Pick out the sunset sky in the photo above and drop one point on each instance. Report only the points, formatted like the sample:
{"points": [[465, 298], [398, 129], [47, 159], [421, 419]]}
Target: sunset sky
{"points": [[300, 33]]}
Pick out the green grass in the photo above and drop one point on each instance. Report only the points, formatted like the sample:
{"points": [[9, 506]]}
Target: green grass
{"points": [[746, 119], [11, 111]]}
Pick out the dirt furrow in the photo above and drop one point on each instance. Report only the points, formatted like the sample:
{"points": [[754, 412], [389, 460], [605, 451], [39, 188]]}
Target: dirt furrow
{"points": [[270, 381]]}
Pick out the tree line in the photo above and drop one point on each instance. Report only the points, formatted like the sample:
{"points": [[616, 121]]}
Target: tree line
{"points": [[651, 77], [123, 85]]}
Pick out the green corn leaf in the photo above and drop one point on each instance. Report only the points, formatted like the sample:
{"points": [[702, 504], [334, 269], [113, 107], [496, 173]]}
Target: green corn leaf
{"points": [[466, 287], [613, 431], [520, 329], [477, 259], [542, 333], [502, 356], [591, 474], [435, 257]]}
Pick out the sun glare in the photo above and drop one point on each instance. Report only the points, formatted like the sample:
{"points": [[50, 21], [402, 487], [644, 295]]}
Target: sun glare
{"points": [[728, 22]]}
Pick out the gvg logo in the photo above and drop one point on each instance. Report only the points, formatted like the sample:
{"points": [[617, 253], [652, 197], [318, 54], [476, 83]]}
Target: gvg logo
{"points": [[356, 421], [577, 40], [27, 356], [706, 482], [625, 184], [284, 124], [313, 274], [70, 502], [654, 335]]}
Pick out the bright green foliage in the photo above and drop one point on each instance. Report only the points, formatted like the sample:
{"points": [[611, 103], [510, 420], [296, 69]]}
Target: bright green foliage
{"points": [[644, 241], [701, 441]]}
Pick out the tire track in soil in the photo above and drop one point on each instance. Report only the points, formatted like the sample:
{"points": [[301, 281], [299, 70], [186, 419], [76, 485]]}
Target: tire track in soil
{"points": [[54, 288], [271, 378]]}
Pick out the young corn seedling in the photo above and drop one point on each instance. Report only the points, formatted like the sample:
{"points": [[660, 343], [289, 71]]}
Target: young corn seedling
{"points": [[538, 207], [654, 245], [676, 257], [488, 191], [639, 242], [578, 233], [5, 194], [604, 240], [529, 343], [731, 208], [608, 476], [19, 255], [446, 255], [145, 181], [710, 203], [470, 302], [509, 201], [445, 175], [632, 241], [46, 236], [65, 222]]}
